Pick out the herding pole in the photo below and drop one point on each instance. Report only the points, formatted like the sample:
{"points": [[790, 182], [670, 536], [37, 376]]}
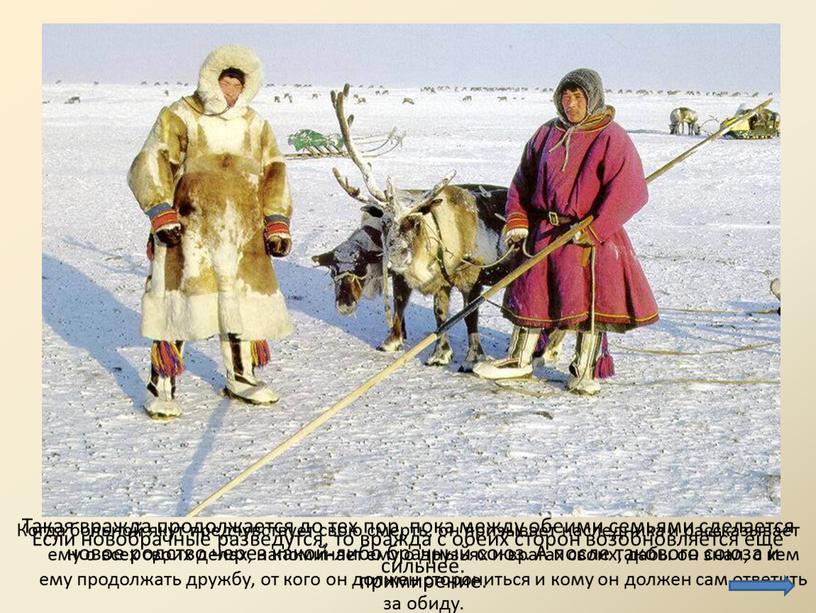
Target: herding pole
{"points": [[425, 342]]}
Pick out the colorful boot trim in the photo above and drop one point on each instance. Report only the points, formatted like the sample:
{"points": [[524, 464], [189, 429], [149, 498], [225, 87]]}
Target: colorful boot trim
{"points": [[166, 358], [260, 353]]}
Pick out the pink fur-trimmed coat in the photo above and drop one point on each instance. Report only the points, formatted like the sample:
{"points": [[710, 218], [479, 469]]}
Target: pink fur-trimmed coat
{"points": [[603, 177]]}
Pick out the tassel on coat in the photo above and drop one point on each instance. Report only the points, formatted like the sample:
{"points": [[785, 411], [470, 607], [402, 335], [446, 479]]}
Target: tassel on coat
{"points": [[166, 359], [260, 353], [605, 366]]}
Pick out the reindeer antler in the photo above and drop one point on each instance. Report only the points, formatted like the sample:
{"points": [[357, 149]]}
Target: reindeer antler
{"points": [[365, 169], [430, 195], [354, 192]]}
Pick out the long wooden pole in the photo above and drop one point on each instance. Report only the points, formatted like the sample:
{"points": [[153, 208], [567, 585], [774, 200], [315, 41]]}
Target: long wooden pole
{"points": [[425, 342], [316, 423]]}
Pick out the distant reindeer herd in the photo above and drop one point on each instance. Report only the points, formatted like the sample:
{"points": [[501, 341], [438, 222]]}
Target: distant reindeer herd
{"points": [[502, 94]]}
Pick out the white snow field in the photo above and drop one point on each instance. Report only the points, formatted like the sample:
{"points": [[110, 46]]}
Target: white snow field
{"points": [[694, 430]]}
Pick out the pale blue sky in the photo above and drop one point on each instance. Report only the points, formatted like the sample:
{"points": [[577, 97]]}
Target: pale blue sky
{"points": [[704, 57]]}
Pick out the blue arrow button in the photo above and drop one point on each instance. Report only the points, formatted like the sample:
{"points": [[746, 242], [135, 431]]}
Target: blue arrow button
{"points": [[785, 586]]}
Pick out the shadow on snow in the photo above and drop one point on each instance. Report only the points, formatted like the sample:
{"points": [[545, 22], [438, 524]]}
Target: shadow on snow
{"points": [[309, 290], [89, 317]]}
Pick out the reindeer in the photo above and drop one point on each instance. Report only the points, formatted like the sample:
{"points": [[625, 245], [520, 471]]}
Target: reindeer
{"points": [[683, 116], [432, 241], [408, 101], [356, 267]]}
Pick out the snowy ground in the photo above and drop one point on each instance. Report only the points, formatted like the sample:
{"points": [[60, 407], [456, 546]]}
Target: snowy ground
{"points": [[666, 437]]}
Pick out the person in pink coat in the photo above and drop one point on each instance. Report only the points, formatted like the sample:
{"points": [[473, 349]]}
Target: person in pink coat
{"points": [[578, 164]]}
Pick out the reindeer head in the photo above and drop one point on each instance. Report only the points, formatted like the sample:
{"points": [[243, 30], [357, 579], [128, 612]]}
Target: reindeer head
{"points": [[350, 274], [355, 265], [402, 210], [410, 233], [402, 240]]}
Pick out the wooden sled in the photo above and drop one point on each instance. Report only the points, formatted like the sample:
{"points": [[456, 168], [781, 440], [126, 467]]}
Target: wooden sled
{"points": [[310, 144]]}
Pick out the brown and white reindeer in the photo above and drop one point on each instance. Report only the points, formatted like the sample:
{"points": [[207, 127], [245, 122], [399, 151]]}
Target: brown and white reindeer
{"points": [[431, 241], [356, 266]]}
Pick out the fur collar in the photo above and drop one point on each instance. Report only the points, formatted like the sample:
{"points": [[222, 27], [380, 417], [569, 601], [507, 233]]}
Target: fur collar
{"points": [[209, 91], [595, 122]]}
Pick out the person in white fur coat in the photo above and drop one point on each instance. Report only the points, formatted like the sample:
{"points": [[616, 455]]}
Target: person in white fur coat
{"points": [[212, 181]]}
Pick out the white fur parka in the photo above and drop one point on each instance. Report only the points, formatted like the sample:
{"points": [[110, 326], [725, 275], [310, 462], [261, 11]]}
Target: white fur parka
{"points": [[221, 171]]}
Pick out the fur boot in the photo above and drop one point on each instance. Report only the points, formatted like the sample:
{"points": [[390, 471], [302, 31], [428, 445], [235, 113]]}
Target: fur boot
{"points": [[241, 382], [519, 360], [582, 370], [552, 349], [160, 402]]}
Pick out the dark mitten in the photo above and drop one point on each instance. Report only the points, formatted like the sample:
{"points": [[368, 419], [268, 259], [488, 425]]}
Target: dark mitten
{"points": [[169, 236], [278, 245]]}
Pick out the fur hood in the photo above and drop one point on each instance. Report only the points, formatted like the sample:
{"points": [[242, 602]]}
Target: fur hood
{"points": [[209, 92]]}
